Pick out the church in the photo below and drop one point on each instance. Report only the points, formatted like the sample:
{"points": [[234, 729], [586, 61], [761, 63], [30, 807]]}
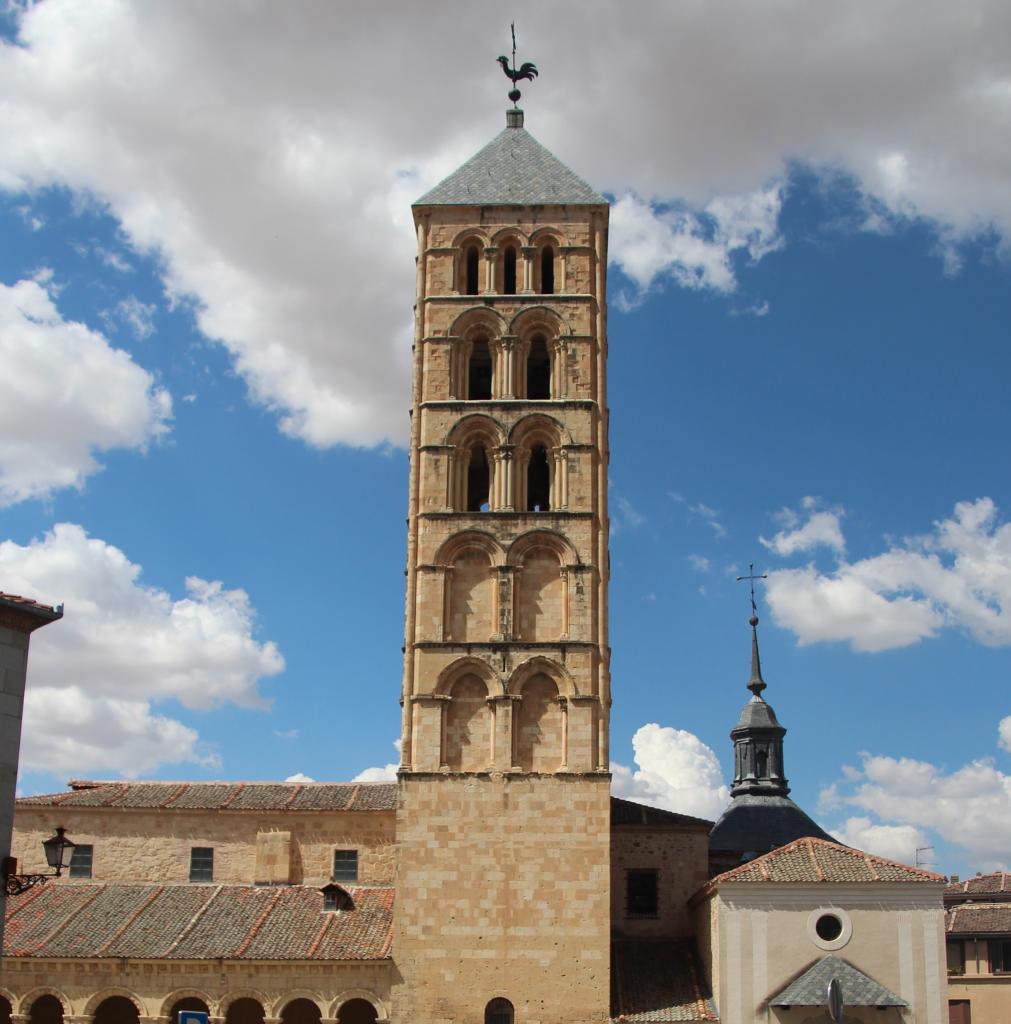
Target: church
{"points": [[497, 881]]}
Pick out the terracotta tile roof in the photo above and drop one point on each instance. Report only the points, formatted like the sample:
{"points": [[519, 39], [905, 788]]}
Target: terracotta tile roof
{"points": [[979, 919], [197, 922], [628, 812], [997, 883], [29, 605], [816, 860], [658, 981], [221, 796]]}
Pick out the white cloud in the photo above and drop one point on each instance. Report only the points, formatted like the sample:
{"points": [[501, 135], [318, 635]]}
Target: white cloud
{"points": [[65, 394], [138, 316], [276, 186], [674, 770], [959, 577], [388, 773], [897, 842], [699, 563], [120, 646], [286, 734], [820, 529], [1004, 732], [969, 808], [299, 777]]}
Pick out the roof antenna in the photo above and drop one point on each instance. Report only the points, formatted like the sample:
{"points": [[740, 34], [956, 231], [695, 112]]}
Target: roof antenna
{"points": [[526, 70], [756, 684]]}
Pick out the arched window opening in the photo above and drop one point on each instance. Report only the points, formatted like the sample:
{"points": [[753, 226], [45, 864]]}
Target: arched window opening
{"points": [[540, 597], [479, 372], [298, 1011], [191, 1003], [244, 1011], [498, 1011], [478, 480], [509, 270], [472, 595], [538, 481], [762, 762], [547, 270], [46, 1010], [539, 735], [116, 1010], [470, 284], [538, 369], [468, 726], [357, 1011]]}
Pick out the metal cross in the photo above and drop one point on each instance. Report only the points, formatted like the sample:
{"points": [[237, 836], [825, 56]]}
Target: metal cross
{"points": [[751, 577]]}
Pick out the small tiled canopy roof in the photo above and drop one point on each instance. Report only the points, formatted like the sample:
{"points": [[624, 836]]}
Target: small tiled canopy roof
{"points": [[979, 919], [811, 988], [816, 860], [996, 884], [197, 922], [627, 812], [658, 980], [223, 796]]}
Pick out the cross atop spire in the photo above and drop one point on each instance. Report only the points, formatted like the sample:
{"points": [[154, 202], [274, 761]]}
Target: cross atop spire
{"points": [[756, 684]]}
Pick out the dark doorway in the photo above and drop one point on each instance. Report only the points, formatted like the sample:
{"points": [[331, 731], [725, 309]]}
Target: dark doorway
{"points": [[538, 370], [46, 1010], [479, 372], [498, 1011], [116, 1010], [478, 481], [538, 481], [244, 1011], [357, 1011]]}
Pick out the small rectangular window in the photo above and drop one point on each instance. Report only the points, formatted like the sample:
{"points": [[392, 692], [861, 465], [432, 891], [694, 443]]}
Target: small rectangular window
{"points": [[202, 864], [80, 860], [1000, 956], [641, 891], [956, 957], [345, 865]]}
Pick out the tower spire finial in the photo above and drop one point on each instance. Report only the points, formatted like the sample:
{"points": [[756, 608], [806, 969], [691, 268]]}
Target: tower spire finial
{"points": [[756, 684], [526, 70]]}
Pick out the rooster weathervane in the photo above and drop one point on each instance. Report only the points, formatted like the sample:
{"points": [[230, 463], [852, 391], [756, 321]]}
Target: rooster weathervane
{"points": [[515, 74]]}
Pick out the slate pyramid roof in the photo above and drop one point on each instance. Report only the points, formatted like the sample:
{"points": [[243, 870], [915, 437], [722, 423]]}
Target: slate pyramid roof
{"points": [[858, 989], [514, 169]]}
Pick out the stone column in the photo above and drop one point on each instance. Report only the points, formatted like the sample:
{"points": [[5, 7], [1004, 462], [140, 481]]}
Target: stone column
{"points": [[506, 600], [447, 602], [451, 480], [506, 468], [563, 575], [529, 256], [489, 269], [563, 703], [558, 351], [462, 466], [559, 479], [521, 460], [19, 618], [507, 344]]}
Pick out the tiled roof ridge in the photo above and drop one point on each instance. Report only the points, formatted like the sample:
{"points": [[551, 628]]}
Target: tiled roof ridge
{"points": [[179, 790], [328, 923], [193, 922], [295, 793], [99, 889], [813, 845], [258, 924], [231, 798], [130, 918], [28, 602]]}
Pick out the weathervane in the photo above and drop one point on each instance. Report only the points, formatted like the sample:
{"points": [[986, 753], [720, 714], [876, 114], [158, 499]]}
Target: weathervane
{"points": [[515, 74]]}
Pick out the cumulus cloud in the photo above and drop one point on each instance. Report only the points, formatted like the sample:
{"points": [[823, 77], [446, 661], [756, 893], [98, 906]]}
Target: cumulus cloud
{"points": [[276, 188], [696, 250], [65, 394], [674, 770], [1004, 732], [802, 532], [969, 808], [897, 842], [958, 576], [299, 777], [388, 773], [121, 646]]}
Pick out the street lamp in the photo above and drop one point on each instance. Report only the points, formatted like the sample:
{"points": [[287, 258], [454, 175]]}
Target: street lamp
{"points": [[56, 848]]}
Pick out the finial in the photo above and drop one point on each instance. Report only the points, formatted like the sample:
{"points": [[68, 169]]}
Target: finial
{"points": [[515, 74], [756, 684]]}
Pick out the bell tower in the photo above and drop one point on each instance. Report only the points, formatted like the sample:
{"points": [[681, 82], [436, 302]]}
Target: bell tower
{"points": [[504, 808]]}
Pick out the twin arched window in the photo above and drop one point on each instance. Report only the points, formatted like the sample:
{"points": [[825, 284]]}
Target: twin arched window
{"points": [[526, 374], [540, 277]]}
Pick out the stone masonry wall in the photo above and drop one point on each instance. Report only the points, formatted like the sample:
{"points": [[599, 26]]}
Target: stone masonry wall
{"points": [[503, 891]]}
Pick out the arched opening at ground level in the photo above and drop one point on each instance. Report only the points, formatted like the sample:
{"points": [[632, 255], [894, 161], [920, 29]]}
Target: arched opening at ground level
{"points": [[300, 1011], [244, 1011], [191, 1003], [116, 1010], [357, 1011]]}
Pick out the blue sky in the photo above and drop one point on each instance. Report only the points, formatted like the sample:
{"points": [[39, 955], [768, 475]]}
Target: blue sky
{"points": [[206, 267]]}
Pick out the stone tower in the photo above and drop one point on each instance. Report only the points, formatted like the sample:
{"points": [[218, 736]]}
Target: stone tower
{"points": [[503, 817]]}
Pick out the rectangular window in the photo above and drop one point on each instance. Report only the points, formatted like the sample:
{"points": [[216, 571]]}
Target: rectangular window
{"points": [[345, 865], [641, 892], [1000, 956], [956, 957], [202, 864], [80, 861]]}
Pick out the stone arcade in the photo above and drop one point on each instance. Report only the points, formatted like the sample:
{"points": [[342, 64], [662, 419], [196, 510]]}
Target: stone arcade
{"points": [[497, 882]]}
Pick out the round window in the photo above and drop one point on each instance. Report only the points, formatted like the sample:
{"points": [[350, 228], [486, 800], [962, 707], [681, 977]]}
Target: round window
{"points": [[828, 927]]}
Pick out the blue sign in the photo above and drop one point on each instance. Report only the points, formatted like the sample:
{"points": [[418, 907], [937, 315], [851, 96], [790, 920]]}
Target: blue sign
{"points": [[193, 1017]]}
